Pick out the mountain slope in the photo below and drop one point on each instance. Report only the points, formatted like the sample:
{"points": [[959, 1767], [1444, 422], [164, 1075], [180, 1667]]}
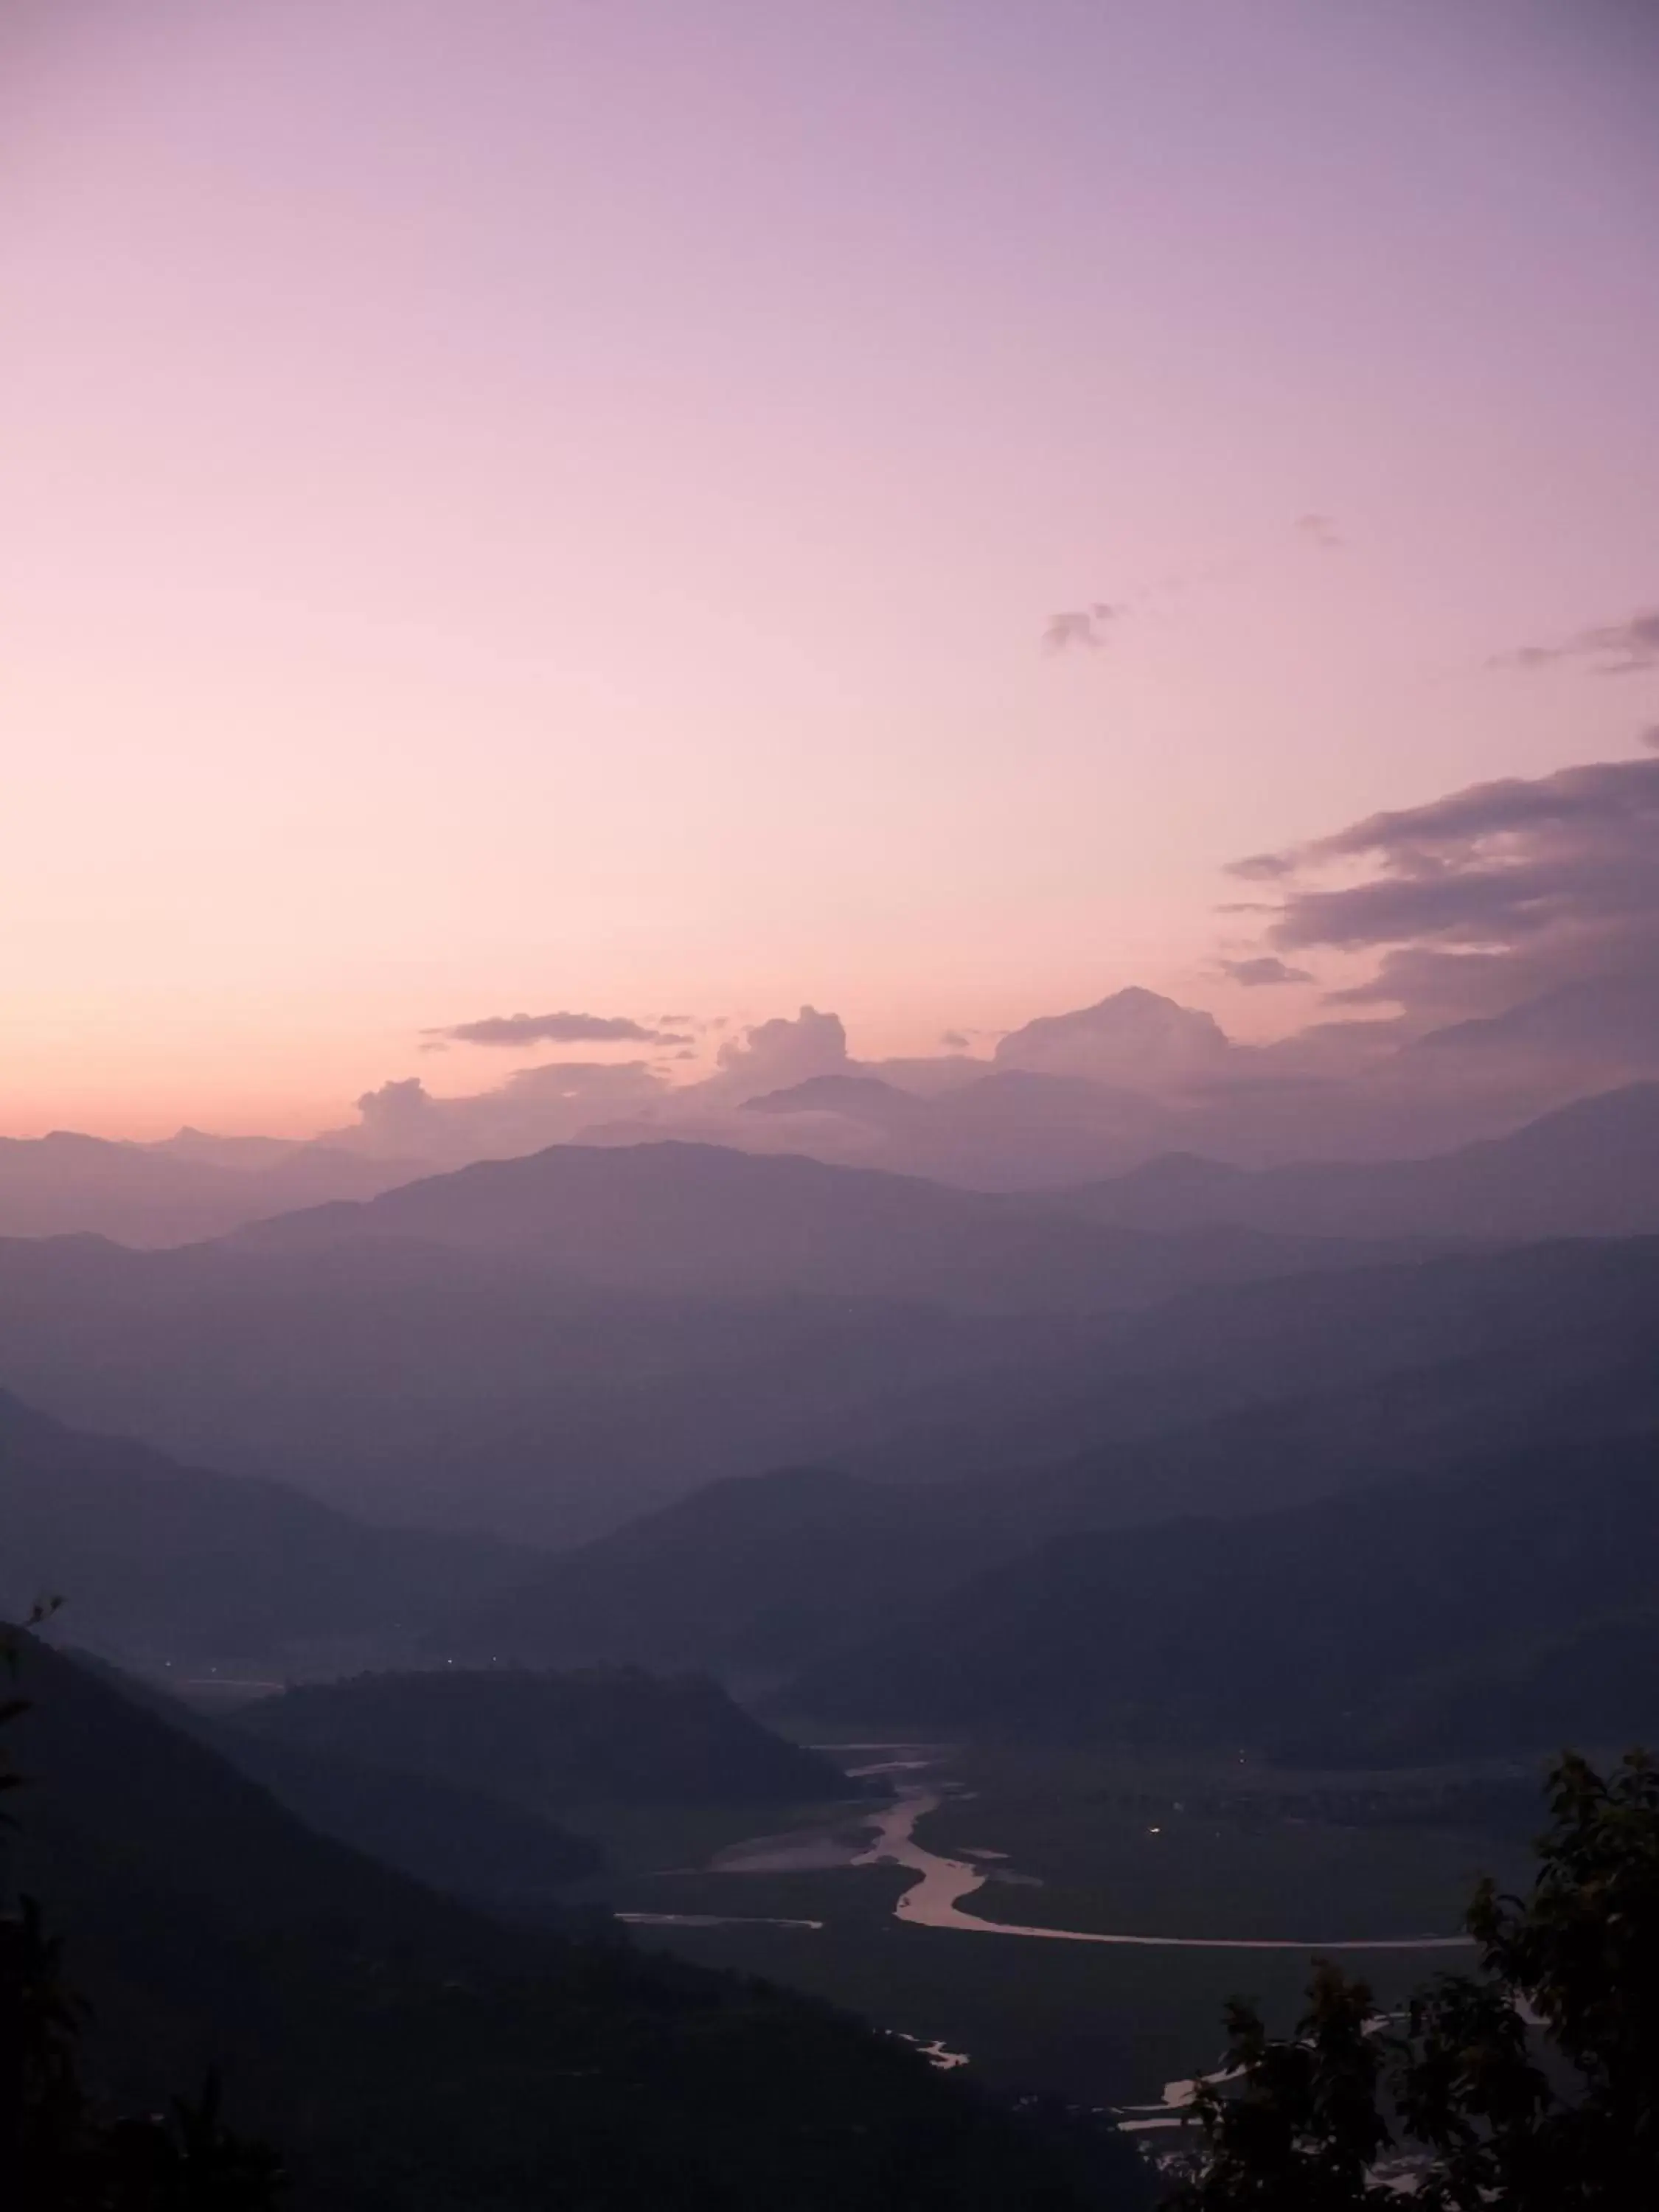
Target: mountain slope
{"points": [[1334, 1630], [544, 1740], [457, 1840], [167, 1562], [1447, 1351], [1588, 1170], [405, 2051], [760, 1574], [701, 1218], [744, 1577]]}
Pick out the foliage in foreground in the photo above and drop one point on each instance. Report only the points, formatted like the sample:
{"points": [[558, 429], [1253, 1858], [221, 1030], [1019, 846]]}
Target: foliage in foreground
{"points": [[57, 2150], [1532, 2086]]}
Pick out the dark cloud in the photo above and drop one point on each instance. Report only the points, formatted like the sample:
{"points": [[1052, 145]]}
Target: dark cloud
{"points": [[1488, 897], [1321, 532], [1264, 968], [519, 1030], [1620, 649], [953, 1040], [1085, 627], [1259, 868]]}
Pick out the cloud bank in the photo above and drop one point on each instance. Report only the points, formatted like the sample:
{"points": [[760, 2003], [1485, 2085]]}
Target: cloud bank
{"points": [[1490, 896], [1507, 940]]}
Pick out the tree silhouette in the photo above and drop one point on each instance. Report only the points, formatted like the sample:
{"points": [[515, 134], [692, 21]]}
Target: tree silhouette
{"points": [[59, 2152], [1532, 2086]]}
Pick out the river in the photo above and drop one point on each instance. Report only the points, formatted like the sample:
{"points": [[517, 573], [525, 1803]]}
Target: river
{"points": [[933, 1899]]}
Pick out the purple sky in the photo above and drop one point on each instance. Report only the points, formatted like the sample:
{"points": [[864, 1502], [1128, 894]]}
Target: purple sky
{"points": [[524, 504]]}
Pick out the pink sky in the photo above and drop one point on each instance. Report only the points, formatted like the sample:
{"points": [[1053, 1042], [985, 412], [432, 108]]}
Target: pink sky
{"points": [[555, 503]]}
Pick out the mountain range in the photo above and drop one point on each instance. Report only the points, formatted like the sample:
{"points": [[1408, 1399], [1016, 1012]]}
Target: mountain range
{"points": [[1589, 1169], [1309, 1395], [183, 1187], [548, 1345]]}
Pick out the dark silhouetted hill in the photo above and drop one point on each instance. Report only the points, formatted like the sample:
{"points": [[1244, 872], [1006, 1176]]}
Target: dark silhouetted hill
{"points": [[614, 1735], [457, 1840], [405, 2050]]}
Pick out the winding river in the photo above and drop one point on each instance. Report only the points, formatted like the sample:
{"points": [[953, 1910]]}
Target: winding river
{"points": [[932, 1900]]}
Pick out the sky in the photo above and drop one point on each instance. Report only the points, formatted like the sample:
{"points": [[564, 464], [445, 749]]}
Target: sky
{"points": [[612, 506]]}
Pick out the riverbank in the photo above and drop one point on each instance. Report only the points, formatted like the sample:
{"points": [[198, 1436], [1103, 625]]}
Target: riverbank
{"points": [[934, 1898], [1044, 1841]]}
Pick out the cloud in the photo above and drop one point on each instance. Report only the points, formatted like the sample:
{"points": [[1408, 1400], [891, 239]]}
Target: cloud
{"points": [[548, 1104], [1135, 1040], [1263, 969], [1619, 648], [1259, 868], [1085, 627], [1501, 951], [516, 1032], [1488, 897], [774, 1054], [1321, 532]]}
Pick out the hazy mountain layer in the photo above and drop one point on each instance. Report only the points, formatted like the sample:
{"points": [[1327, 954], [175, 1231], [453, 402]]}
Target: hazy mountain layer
{"points": [[1502, 1611], [704, 1220], [754, 1576], [415, 1381], [165, 1562], [189, 1186], [746, 1576], [1591, 1170]]}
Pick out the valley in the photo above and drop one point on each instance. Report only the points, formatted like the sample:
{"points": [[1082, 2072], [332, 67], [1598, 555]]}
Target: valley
{"points": [[1126, 1912]]}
